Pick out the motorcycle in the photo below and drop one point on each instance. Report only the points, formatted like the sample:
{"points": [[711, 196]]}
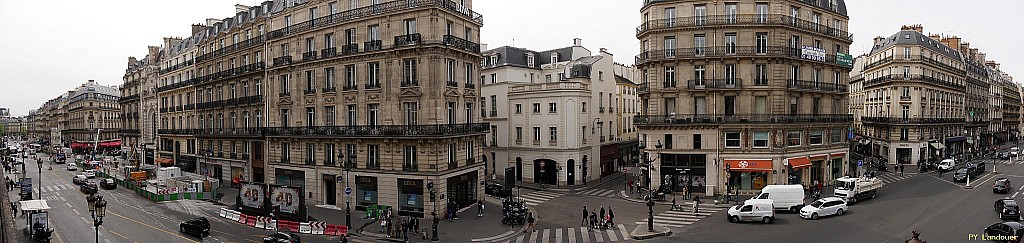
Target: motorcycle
{"points": [[916, 238]]}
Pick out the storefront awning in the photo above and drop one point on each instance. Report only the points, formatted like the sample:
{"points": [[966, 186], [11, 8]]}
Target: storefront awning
{"points": [[32, 205], [955, 139], [799, 162], [838, 155], [80, 145], [749, 165], [111, 144], [818, 157], [938, 146], [164, 161]]}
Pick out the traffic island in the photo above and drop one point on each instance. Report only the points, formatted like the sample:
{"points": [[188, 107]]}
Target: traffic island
{"points": [[641, 232]]}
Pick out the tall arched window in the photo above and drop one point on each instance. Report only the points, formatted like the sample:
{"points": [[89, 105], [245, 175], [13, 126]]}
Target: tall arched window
{"points": [[245, 118], [259, 119], [234, 120]]}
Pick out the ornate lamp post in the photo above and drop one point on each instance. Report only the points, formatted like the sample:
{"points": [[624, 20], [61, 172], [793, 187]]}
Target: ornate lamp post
{"points": [[40, 164], [649, 164], [97, 207], [347, 166]]}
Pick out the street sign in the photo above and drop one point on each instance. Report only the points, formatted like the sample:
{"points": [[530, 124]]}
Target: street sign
{"points": [[348, 190], [340, 179], [430, 185], [860, 163]]}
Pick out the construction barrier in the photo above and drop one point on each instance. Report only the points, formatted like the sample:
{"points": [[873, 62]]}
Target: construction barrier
{"points": [[260, 222], [223, 212], [317, 228], [233, 215], [304, 228], [241, 218], [251, 221], [272, 225], [335, 230]]}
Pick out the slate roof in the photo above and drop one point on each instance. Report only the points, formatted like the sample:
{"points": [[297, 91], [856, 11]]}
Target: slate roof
{"points": [[515, 56], [912, 37]]}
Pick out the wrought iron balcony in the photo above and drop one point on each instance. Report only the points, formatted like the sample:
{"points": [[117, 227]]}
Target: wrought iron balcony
{"points": [[128, 131], [374, 45], [380, 130], [742, 19], [816, 86], [470, 85], [350, 87], [230, 132], [127, 98], [409, 39], [899, 120], [329, 52], [912, 78], [729, 51], [309, 91], [375, 10], [177, 131], [330, 90], [714, 84], [451, 84], [410, 83], [309, 56], [284, 94], [410, 168], [284, 60], [375, 85], [350, 49], [459, 43], [740, 119], [643, 88]]}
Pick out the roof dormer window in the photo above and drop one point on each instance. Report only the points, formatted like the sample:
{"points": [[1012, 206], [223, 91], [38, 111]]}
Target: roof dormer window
{"points": [[529, 59], [554, 57], [494, 59]]}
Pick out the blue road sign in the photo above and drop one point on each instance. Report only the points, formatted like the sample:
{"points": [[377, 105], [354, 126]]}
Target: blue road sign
{"points": [[348, 190], [860, 163]]}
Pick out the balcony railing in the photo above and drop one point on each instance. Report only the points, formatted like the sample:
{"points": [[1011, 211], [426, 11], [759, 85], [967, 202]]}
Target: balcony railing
{"points": [[816, 86], [284, 94], [128, 131], [714, 84], [470, 85], [329, 52], [309, 56], [411, 83], [742, 19], [410, 168], [350, 49], [912, 78], [380, 130], [899, 120], [451, 84], [230, 132], [330, 90], [127, 98], [350, 87], [728, 51], [374, 10], [372, 85], [374, 45], [644, 88], [409, 39], [284, 60], [462, 44], [309, 91], [740, 119], [177, 131]]}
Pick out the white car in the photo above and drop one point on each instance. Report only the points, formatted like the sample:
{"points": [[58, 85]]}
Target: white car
{"points": [[753, 210], [90, 173], [824, 207], [79, 179], [947, 164], [72, 166], [1014, 151]]}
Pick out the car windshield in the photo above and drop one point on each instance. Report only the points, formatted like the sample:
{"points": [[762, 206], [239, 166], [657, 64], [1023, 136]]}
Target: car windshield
{"points": [[817, 203], [1010, 203], [844, 185], [962, 171]]}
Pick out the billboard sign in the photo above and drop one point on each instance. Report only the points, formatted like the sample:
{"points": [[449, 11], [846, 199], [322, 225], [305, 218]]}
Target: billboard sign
{"points": [[844, 59], [813, 53], [252, 195], [286, 199]]}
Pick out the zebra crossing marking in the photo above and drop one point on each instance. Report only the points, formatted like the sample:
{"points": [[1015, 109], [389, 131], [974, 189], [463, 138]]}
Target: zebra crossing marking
{"points": [[597, 236], [673, 218], [533, 236], [555, 235], [538, 197], [520, 238], [572, 235], [598, 192], [545, 237], [611, 235], [558, 235], [583, 232]]}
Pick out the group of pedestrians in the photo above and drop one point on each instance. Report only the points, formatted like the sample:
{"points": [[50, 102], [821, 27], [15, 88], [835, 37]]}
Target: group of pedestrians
{"points": [[598, 219], [898, 168], [634, 186]]}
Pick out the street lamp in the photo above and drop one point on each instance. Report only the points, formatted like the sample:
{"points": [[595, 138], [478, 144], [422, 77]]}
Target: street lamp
{"points": [[96, 143], [346, 167], [97, 208], [40, 164], [649, 163]]}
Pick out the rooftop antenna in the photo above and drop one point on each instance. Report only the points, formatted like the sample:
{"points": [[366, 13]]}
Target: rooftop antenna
{"points": [[513, 42]]}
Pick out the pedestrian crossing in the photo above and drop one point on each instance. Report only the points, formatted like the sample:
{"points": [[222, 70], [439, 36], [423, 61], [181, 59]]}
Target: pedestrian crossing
{"points": [[538, 197], [678, 219], [574, 235], [53, 188], [894, 177], [599, 192]]}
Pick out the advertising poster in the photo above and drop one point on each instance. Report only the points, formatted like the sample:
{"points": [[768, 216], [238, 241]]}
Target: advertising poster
{"points": [[287, 199], [252, 195], [39, 220]]}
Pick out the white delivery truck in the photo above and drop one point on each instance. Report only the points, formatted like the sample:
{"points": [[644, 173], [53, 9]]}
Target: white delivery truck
{"points": [[784, 197], [854, 189]]}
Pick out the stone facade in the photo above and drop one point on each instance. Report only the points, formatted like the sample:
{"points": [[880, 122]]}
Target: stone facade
{"points": [[138, 108], [723, 85]]}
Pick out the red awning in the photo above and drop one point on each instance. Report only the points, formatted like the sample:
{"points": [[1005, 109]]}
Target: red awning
{"points": [[749, 165], [799, 162], [80, 145], [818, 157], [111, 144], [163, 161]]}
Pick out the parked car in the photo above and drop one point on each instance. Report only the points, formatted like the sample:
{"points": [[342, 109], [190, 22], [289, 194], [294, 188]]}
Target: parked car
{"points": [[88, 187], [1007, 209], [1002, 185], [962, 173], [1005, 231], [79, 179], [1014, 151], [495, 189], [198, 227], [72, 167], [89, 173], [947, 164], [1003, 155], [753, 210], [108, 184], [824, 207], [282, 237]]}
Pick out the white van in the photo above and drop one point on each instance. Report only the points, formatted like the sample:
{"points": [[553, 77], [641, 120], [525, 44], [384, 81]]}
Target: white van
{"points": [[753, 210], [785, 197], [947, 164]]}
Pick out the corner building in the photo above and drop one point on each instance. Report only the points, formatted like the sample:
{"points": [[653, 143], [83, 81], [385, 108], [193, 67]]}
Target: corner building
{"points": [[380, 95], [743, 94]]}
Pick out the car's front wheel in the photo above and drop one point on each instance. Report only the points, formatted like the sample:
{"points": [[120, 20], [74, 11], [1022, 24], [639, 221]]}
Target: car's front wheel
{"points": [[734, 219], [767, 220], [814, 216], [840, 212]]}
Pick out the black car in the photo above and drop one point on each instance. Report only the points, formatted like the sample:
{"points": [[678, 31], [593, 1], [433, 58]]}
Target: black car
{"points": [[1002, 185], [495, 189], [980, 166], [962, 173], [108, 184], [1007, 209], [88, 187], [282, 237], [1005, 232], [198, 227], [1004, 155]]}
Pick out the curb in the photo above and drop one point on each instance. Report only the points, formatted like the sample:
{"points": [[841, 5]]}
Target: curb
{"points": [[622, 194]]}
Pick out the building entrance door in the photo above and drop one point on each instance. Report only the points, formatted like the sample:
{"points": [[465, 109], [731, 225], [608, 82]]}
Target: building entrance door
{"points": [[570, 178], [330, 190], [545, 172]]}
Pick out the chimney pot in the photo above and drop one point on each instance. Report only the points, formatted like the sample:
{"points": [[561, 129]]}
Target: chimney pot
{"points": [[577, 42]]}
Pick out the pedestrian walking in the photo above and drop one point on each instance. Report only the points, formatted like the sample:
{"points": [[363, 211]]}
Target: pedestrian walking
{"points": [[629, 184], [530, 220], [611, 215], [696, 204], [405, 230], [14, 208], [585, 214], [480, 208], [593, 220], [602, 213], [455, 210], [902, 166]]}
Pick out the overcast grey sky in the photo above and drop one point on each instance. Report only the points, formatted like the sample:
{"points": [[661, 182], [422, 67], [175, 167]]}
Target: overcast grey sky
{"points": [[49, 47]]}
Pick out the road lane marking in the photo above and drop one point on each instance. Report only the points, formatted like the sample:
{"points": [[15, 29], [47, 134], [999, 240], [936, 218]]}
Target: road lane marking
{"points": [[1021, 187], [150, 226], [1014, 194], [75, 210], [118, 234]]}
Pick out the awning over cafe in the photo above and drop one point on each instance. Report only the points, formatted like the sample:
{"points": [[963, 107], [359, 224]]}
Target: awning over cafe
{"points": [[164, 161], [818, 157], [938, 146], [111, 144], [749, 165], [799, 162]]}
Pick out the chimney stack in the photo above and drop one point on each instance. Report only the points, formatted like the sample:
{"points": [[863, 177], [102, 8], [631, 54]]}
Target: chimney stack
{"points": [[196, 28], [936, 37], [878, 40], [241, 8], [577, 42], [919, 28], [952, 42], [212, 21]]}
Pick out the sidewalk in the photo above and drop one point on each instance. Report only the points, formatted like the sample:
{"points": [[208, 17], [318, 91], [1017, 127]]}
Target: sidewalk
{"points": [[614, 177], [489, 226]]}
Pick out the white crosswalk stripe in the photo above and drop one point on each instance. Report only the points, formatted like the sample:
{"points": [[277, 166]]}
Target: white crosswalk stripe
{"points": [[673, 218], [893, 177], [538, 197], [599, 192], [574, 235]]}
